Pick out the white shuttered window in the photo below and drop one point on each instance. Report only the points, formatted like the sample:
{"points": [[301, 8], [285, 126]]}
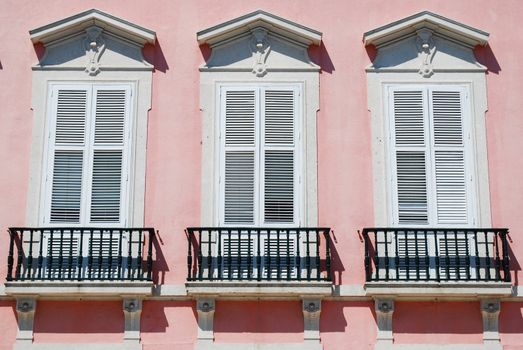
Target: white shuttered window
{"points": [[432, 165], [259, 175], [88, 147]]}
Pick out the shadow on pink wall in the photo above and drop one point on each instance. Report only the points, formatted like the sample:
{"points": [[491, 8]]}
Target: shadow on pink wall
{"points": [[485, 56], [154, 55], [437, 322]]}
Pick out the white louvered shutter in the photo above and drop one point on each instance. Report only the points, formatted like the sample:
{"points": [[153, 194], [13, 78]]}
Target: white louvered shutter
{"points": [[453, 252], [89, 140], [240, 156], [430, 156], [449, 156], [279, 143], [411, 153], [68, 148], [110, 118]]}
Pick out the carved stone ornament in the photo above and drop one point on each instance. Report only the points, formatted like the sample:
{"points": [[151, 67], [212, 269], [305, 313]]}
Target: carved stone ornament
{"points": [[94, 46], [426, 51], [260, 47]]}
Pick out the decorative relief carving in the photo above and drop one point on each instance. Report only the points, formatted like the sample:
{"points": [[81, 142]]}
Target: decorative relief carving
{"points": [[426, 51], [260, 47], [95, 47]]}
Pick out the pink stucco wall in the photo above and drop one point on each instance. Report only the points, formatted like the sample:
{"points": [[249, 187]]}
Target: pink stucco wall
{"points": [[344, 178]]}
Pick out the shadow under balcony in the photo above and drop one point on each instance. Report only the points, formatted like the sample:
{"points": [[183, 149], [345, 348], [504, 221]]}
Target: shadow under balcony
{"points": [[455, 263], [254, 262], [79, 261]]}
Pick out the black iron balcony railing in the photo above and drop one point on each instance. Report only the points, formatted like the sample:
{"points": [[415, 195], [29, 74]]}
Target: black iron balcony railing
{"points": [[436, 254], [258, 254], [80, 254]]}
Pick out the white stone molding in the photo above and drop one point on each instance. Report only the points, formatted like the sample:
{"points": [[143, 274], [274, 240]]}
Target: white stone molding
{"points": [[311, 320], [205, 308], [132, 310], [490, 309], [93, 17], [384, 309], [238, 26], [446, 27], [25, 310], [92, 41]]}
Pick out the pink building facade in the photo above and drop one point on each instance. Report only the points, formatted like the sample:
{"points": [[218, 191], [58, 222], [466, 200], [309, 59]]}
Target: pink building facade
{"points": [[291, 175]]}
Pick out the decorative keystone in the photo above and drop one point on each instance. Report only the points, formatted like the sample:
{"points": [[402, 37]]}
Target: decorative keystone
{"points": [[426, 51], [260, 47], [311, 319], [384, 310], [25, 309], [205, 308], [132, 309], [94, 46], [490, 309]]}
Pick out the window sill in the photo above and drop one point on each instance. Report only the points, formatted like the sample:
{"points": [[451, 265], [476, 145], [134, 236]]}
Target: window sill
{"points": [[439, 290], [106, 289], [256, 289]]}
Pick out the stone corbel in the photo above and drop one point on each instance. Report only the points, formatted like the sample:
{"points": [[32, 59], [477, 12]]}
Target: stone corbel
{"points": [[384, 309], [490, 309], [132, 309], [426, 51], [25, 309], [205, 308], [94, 46], [311, 320], [260, 47]]}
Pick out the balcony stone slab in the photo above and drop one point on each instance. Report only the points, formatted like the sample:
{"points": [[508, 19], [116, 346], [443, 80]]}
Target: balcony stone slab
{"points": [[259, 289]]}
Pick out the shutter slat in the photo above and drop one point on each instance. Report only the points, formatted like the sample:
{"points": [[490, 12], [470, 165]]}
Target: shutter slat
{"points": [[411, 187], [409, 118], [70, 116], [240, 117], [239, 187], [449, 158], [279, 187], [67, 186], [279, 117], [106, 186], [238, 246], [110, 117]]}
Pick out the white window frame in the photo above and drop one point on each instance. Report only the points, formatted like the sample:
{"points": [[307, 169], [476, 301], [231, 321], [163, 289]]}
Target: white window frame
{"points": [[469, 152], [259, 146], [88, 147]]}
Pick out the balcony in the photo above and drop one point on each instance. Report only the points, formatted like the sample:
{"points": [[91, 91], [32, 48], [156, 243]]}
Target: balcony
{"points": [[437, 261], [72, 260], [258, 261]]}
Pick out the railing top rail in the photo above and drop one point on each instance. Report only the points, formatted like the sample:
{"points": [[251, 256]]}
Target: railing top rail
{"points": [[234, 228], [432, 229], [73, 228]]}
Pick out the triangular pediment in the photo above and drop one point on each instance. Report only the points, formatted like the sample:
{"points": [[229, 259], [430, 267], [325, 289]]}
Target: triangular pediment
{"points": [[93, 40], [426, 42], [261, 42]]}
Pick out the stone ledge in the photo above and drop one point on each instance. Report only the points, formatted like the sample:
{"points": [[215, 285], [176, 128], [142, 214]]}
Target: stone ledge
{"points": [[438, 347], [67, 289], [253, 346], [441, 290], [257, 289]]}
